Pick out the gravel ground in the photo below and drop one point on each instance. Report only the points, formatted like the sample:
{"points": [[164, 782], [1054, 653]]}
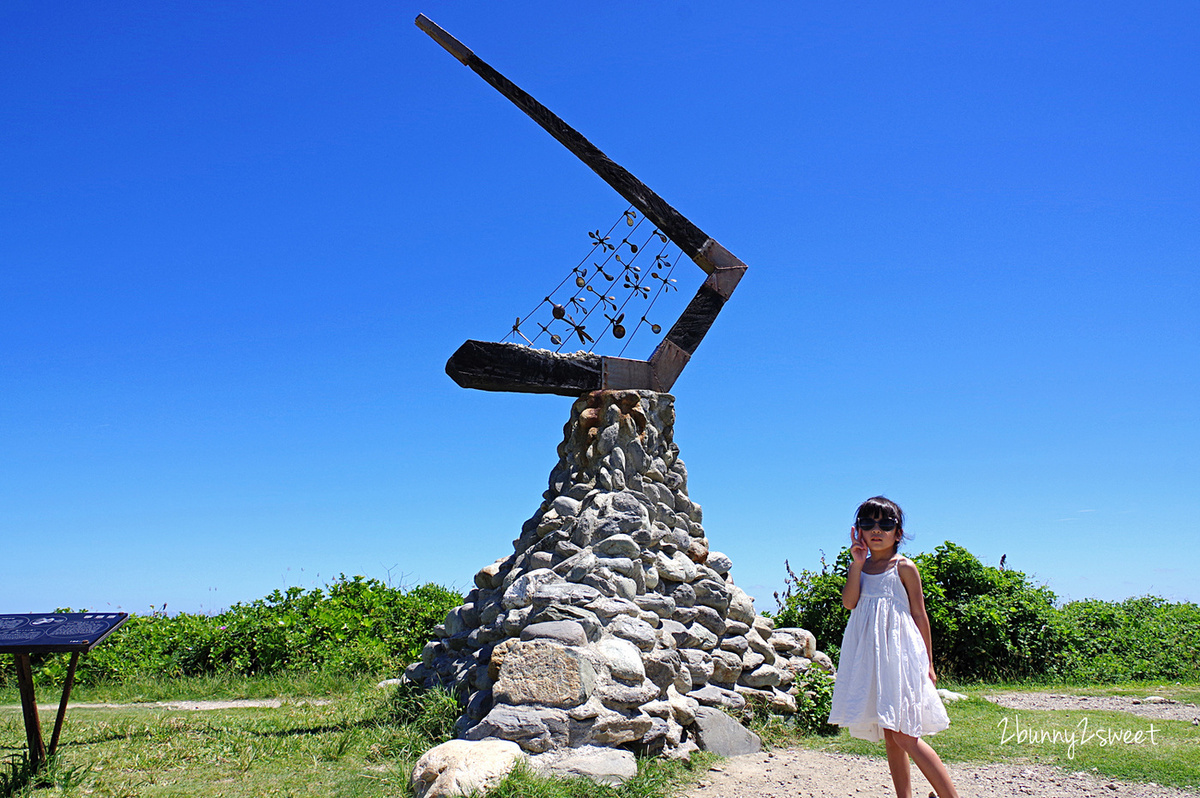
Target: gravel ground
{"points": [[800, 773], [1148, 707]]}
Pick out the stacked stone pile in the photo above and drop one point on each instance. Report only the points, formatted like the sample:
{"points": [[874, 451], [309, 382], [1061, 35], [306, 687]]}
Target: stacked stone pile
{"points": [[612, 624]]}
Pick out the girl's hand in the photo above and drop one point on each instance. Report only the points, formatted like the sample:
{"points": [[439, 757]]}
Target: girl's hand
{"points": [[932, 675], [858, 547]]}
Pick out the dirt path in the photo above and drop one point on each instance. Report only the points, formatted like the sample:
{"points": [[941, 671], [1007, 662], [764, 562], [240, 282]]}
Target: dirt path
{"points": [[800, 773], [185, 706]]}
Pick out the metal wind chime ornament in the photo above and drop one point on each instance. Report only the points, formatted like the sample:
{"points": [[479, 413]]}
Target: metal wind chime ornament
{"points": [[589, 309]]}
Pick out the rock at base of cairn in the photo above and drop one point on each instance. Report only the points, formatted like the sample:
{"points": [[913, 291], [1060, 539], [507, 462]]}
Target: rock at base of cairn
{"points": [[612, 624]]}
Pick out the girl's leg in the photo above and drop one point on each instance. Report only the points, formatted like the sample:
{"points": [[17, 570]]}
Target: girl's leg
{"points": [[898, 764], [927, 760]]}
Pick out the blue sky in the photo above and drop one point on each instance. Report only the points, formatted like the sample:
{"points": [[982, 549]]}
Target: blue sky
{"points": [[238, 242]]}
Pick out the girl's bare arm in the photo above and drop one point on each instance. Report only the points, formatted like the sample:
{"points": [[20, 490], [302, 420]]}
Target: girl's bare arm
{"points": [[858, 555], [911, 578]]}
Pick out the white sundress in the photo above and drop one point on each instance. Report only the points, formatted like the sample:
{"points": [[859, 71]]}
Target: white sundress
{"points": [[883, 671]]}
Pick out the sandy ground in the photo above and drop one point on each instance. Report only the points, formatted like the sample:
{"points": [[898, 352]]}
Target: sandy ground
{"points": [[798, 773]]}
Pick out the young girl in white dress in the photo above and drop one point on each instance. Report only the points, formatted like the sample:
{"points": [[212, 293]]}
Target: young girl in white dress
{"points": [[885, 680]]}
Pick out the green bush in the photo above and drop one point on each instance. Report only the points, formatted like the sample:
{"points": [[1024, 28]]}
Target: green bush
{"points": [[1136, 639], [986, 623], [355, 625]]}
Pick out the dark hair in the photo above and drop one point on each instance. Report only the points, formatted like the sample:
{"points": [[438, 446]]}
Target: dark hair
{"points": [[878, 507]]}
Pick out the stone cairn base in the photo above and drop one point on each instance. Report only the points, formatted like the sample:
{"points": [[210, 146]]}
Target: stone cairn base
{"points": [[612, 624]]}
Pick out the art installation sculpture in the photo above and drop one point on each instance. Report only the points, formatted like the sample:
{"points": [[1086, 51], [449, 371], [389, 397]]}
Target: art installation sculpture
{"points": [[612, 627]]}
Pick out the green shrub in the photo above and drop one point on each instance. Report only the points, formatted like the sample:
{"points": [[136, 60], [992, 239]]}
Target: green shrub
{"points": [[993, 624], [1136, 639], [986, 623], [355, 625]]}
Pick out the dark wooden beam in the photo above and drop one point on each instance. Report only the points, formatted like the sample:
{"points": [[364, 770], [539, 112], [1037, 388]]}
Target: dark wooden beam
{"points": [[723, 268], [675, 225]]}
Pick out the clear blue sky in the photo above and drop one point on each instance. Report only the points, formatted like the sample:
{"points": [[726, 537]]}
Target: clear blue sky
{"points": [[238, 242]]}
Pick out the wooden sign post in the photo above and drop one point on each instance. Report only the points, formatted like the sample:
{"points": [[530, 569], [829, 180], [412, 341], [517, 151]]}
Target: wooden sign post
{"points": [[74, 632]]}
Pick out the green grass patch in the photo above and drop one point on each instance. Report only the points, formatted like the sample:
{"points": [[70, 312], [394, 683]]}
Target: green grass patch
{"points": [[353, 746]]}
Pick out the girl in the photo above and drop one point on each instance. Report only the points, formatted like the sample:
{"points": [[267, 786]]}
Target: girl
{"points": [[885, 680]]}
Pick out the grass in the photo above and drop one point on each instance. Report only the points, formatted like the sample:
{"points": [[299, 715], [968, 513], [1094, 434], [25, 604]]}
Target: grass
{"points": [[350, 747], [1116, 745], [365, 741]]}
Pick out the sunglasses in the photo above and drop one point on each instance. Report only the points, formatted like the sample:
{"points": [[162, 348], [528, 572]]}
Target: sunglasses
{"points": [[884, 524]]}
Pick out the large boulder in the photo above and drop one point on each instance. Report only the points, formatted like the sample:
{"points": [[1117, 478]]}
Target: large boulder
{"points": [[600, 764], [461, 767], [717, 732]]}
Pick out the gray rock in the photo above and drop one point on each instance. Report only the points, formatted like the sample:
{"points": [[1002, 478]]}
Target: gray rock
{"points": [[764, 625], [566, 507], [490, 576], [611, 729], [635, 630], [762, 677], [700, 637], [620, 565], [700, 664], [719, 697], [561, 593], [735, 643], [624, 660], [536, 729], [685, 615], [585, 618], [733, 628], [520, 592], [650, 534], [515, 620], [712, 592], [727, 666], [741, 606], [625, 696], [719, 562], [759, 644], [751, 660], [657, 603], [623, 586], [618, 546], [662, 666], [722, 735], [569, 633], [672, 633], [600, 764], [546, 673], [461, 767], [601, 579], [683, 595], [710, 619], [607, 607], [802, 637]]}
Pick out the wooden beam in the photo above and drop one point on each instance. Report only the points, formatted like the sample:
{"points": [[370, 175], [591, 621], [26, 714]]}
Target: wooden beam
{"points": [[675, 225], [33, 725], [724, 270], [494, 366]]}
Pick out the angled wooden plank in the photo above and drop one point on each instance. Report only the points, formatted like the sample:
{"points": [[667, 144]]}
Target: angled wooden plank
{"points": [[674, 224], [724, 269]]}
